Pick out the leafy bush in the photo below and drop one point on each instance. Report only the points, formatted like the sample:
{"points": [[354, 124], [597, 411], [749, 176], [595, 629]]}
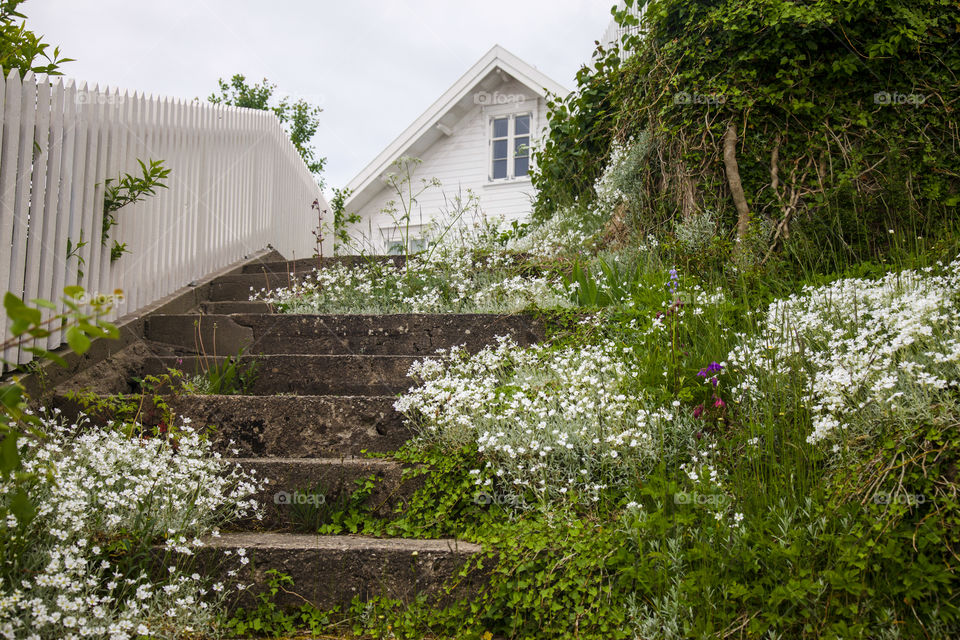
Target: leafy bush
{"points": [[835, 119]]}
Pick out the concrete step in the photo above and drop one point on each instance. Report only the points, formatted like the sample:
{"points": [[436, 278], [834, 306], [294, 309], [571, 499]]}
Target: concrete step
{"points": [[298, 426], [287, 426], [306, 265], [242, 286], [401, 334], [305, 375], [329, 571], [294, 375], [302, 493], [227, 307]]}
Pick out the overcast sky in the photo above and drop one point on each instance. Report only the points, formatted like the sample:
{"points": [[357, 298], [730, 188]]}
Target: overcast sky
{"points": [[372, 65]]}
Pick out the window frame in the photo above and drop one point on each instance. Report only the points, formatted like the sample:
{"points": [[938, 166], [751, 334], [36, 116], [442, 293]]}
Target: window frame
{"points": [[511, 113]]}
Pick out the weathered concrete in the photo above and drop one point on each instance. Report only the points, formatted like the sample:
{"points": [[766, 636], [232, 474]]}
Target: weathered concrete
{"points": [[408, 334], [329, 571], [276, 374], [301, 492], [241, 306], [286, 426], [306, 265], [298, 426]]}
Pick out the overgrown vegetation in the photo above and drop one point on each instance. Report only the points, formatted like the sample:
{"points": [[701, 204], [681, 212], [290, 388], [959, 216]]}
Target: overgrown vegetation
{"points": [[797, 127]]}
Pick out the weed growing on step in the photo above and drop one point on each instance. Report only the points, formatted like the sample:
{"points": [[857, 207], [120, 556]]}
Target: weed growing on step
{"points": [[268, 620]]}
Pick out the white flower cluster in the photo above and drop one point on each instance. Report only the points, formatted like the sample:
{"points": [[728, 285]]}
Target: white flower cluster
{"points": [[568, 232], [96, 490], [449, 277], [861, 348], [549, 421]]}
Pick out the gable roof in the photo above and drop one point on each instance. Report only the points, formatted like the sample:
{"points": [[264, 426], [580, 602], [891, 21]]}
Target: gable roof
{"points": [[438, 120]]}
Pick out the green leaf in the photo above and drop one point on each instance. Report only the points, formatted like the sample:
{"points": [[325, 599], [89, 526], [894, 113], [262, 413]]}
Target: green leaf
{"points": [[22, 507], [46, 304], [9, 455], [78, 340], [73, 291]]}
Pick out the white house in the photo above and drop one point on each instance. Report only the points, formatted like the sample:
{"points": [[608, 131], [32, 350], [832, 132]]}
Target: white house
{"points": [[476, 137]]}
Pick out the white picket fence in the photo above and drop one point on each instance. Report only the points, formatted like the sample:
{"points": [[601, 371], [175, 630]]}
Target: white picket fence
{"points": [[236, 185], [614, 32]]}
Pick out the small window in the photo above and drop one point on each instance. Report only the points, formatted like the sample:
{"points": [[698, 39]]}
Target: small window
{"points": [[416, 245], [510, 147]]}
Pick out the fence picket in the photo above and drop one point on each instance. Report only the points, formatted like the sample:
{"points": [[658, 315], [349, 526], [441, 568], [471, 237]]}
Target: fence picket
{"points": [[236, 185]]}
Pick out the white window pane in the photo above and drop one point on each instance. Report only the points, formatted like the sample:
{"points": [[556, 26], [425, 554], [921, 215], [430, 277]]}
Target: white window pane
{"points": [[521, 166], [499, 149], [499, 169], [500, 127], [521, 146], [522, 126]]}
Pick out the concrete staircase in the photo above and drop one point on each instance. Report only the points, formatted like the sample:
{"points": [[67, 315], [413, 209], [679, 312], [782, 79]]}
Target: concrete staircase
{"points": [[324, 394]]}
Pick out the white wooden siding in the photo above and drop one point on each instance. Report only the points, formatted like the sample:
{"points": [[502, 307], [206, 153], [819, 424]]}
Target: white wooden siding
{"points": [[236, 185], [460, 162]]}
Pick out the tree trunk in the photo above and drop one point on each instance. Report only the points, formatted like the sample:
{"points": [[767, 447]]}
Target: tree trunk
{"points": [[733, 180]]}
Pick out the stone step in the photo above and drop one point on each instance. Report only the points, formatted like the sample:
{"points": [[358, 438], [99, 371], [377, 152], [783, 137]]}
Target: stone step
{"points": [[305, 375], [293, 375], [287, 426], [401, 334], [329, 571], [297, 426], [302, 493], [241, 286], [227, 307], [306, 265]]}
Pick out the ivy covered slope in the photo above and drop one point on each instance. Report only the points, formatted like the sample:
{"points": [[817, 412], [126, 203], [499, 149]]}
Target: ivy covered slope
{"points": [[837, 118]]}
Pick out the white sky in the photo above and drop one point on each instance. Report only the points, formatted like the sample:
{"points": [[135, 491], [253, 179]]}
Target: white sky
{"points": [[372, 65]]}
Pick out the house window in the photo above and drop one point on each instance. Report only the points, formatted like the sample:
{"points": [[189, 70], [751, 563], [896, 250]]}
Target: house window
{"points": [[415, 245], [509, 146]]}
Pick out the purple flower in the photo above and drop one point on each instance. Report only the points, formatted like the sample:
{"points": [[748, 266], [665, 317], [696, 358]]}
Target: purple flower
{"points": [[713, 367]]}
